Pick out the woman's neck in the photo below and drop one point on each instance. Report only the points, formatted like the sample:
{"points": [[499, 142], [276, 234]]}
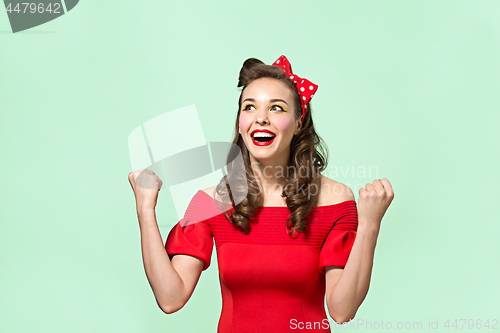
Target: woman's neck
{"points": [[271, 177]]}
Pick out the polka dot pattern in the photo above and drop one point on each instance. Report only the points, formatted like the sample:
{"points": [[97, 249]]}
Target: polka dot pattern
{"points": [[305, 88]]}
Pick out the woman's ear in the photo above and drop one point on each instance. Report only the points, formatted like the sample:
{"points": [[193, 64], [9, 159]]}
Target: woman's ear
{"points": [[299, 125]]}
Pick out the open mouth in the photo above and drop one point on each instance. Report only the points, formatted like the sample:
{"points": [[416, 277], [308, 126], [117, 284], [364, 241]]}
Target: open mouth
{"points": [[262, 138]]}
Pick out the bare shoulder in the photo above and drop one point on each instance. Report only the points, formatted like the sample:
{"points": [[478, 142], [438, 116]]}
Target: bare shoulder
{"points": [[210, 191], [333, 192]]}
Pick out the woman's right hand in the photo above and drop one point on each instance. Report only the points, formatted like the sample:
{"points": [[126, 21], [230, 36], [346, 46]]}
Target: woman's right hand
{"points": [[146, 185]]}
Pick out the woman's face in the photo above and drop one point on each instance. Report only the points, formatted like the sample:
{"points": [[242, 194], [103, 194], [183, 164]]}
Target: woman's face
{"points": [[267, 104]]}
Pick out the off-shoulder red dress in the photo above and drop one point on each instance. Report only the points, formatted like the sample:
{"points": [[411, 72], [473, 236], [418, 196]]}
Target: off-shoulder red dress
{"points": [[270, 281]]}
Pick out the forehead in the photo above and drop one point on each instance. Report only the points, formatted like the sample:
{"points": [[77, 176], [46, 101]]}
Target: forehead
{"points": [[267, 88]]}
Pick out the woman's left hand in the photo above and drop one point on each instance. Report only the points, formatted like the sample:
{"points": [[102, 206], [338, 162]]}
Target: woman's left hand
{"points": [[374, 199]]}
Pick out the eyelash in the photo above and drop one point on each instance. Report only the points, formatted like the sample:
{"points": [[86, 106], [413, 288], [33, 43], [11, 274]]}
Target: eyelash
{"points": [[281, 108]]}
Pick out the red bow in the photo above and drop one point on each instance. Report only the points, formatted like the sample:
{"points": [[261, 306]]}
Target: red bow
{"points": [[305, 87]]}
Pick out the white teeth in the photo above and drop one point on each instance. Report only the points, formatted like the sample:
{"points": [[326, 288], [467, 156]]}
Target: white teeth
{"points": [[262, 135]]}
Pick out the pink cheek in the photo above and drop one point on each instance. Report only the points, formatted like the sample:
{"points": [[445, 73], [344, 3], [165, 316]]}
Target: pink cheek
{"points": [[244, 124], [283, 124]]}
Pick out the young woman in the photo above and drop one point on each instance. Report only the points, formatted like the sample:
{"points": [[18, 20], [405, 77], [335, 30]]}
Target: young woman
{"points": [[293, 236]]}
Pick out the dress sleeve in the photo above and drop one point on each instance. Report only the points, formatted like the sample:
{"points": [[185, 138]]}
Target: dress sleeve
{"points": [[339, 241], [192, 235]]}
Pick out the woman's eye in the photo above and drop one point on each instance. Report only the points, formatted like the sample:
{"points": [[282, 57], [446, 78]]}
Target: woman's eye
{"points": [[249, 107], [277, 108]]}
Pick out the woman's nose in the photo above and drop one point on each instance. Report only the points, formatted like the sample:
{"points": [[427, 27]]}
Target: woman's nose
{"points": [[261, 121], [261, 117]]}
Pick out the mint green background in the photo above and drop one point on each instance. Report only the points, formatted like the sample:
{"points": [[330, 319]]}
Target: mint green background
{"points": [[410, 87]]}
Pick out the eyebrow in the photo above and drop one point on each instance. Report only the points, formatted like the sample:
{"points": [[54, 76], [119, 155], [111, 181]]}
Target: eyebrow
{"points": [[272, 101]]}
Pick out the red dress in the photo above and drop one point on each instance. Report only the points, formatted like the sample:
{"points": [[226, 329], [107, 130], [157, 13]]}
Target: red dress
{"points": [[270, 281]]}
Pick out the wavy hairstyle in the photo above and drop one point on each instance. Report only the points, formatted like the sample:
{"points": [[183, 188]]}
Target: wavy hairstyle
{"points": [[306, 151]]}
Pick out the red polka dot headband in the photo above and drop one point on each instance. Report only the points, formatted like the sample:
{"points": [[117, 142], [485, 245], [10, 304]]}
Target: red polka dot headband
{"points": [[305, 87]]}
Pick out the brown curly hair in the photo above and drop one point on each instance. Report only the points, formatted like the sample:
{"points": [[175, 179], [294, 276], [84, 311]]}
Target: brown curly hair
{"points": [[306, 151]]}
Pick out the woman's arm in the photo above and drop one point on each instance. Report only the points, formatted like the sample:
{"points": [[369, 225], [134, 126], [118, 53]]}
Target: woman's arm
{"points": [[347, 288], [172, 282]]}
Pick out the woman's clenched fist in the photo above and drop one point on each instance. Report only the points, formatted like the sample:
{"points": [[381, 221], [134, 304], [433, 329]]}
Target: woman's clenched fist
{"points": [[374, 199], [146, 185]]}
